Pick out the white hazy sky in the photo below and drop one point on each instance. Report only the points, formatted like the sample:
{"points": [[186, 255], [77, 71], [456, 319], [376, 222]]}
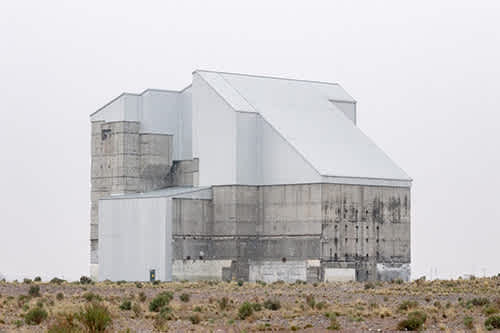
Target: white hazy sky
{"points": [[425, 74]]}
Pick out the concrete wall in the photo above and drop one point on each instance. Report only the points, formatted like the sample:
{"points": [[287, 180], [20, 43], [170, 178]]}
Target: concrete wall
{"points": [[365, 225], [183, 173], [256, 226], [350, 228]]}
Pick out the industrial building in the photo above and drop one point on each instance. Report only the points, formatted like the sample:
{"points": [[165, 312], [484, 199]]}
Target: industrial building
{"points": [[244, 177]]}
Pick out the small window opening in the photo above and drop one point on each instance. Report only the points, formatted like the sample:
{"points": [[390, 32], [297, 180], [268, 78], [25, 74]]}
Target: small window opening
{"points": [[283, 259], [105, 133]]}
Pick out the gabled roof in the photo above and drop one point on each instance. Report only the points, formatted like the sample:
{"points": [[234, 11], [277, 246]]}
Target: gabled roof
{"points": [[303, 113]]}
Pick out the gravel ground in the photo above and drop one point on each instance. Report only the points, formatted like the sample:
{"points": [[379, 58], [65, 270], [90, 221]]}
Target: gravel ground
{"points": [[348, 306]]}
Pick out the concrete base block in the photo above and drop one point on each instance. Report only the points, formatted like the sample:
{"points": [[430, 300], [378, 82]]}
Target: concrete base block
{"points": [[94, 271], [270, 271], [392, 271], [192, 270], [339, 274]]}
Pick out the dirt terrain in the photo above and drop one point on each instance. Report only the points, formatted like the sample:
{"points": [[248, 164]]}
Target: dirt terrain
{"points": [[208, 306]]}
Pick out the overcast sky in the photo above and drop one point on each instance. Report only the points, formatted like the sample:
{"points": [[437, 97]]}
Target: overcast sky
{"points": [[425, 75]]}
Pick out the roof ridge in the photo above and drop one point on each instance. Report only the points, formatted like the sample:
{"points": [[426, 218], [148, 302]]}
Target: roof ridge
{"points": [[268, 77]]}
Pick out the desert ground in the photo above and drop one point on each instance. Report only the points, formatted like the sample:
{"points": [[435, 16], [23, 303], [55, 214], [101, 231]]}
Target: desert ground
{"points": [[211, 306]]}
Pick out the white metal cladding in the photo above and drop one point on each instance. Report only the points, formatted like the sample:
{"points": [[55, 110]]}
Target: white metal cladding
{"points": [[303, 113], [265, 157], [137, 228], [261, 130], [214, 135], [159, 112], [135, 231]]}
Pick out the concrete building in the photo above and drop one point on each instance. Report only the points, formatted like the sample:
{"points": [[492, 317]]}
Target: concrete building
{"points": [[244, 177]]}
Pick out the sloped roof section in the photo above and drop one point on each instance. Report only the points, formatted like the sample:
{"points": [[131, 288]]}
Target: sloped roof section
{"points": [[302, 112]]}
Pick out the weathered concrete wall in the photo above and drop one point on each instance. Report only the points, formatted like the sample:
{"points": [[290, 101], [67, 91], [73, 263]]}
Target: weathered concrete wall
{"points": [[183, 173], [349, 228], [365, 225], [249, 222], [155, 160]]}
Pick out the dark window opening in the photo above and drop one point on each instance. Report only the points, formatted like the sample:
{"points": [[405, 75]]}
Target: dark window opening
{"points": [[283, 259], [105, 133], [188, 258]]}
